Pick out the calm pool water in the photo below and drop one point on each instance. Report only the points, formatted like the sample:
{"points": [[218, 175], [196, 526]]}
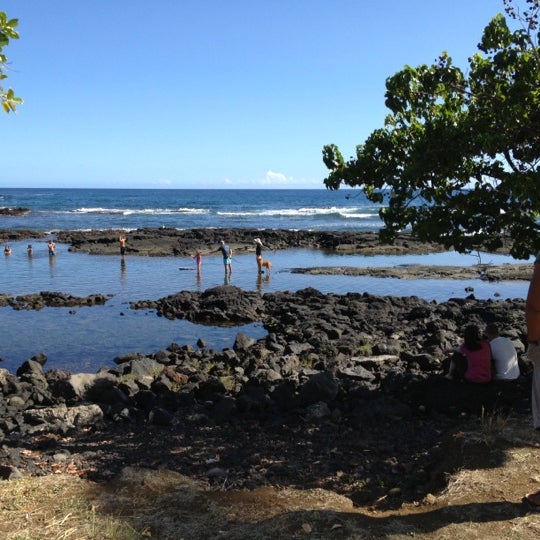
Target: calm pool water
{"points": [[92, 337]]}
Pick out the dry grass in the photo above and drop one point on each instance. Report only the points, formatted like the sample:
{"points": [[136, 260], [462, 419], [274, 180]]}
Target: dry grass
{"points": [[144, 503], [56, 507], [482, 500], [493, 424]]}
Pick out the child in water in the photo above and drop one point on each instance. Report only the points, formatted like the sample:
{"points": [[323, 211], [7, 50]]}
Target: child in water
{"points": [[198, 260]]}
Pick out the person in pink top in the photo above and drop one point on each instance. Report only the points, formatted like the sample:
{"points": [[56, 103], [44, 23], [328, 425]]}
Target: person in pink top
{"points": [[472, 362], [198, 260]]}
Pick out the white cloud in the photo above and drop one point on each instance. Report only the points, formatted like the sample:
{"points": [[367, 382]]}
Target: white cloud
{"points": [[164, 182], [278, 179], [274, 178]]}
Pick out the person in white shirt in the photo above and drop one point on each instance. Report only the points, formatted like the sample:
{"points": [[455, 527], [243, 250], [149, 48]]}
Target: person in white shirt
{"points": [[504, 355]]}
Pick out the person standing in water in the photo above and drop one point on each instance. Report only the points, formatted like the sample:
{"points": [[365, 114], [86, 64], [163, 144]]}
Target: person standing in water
{"points": [[226, 251], [52, 248], [258, 253], [122, 240], [198, 260]]}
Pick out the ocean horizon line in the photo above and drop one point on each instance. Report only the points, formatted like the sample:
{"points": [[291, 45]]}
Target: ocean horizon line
{"points": [[259, 188]]}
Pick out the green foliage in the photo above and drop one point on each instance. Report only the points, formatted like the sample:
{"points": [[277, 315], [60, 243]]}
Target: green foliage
{"points": [[8, 99], [458, 157]]}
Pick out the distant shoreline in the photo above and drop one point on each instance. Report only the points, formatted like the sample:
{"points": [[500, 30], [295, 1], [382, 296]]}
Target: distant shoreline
{"points": [[485, 272], [170, 241], [167, 241]]}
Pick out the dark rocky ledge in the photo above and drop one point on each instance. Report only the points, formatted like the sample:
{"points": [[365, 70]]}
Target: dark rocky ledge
{"points": [[161, 242], [5, 211], [485, 272], [168, 241], [14, 235], [43, 299]]}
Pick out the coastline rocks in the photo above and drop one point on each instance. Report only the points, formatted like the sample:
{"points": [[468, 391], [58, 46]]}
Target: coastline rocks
{"points": [[365, 341], [168, 241], [351, 381], [222, 305], [10, 235], [19, 211], [50, 299], [62, 418], [504, 272]]}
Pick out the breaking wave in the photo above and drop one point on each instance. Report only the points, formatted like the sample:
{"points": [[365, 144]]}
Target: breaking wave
{"points": [[140, 211]]}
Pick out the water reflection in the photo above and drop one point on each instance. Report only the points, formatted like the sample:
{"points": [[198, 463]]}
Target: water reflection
{"points": [[52, 263], [123, 271], [262, 279]]}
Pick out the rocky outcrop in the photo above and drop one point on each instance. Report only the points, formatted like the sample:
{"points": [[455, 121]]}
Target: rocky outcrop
{"points": [[168, 241], [50, 299], [485, 272], [5, 211], [11, 235], [223, 305]]}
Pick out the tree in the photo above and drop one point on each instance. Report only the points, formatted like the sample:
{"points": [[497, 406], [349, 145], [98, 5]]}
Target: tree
{"points": [[7, 31], [457, 160]]}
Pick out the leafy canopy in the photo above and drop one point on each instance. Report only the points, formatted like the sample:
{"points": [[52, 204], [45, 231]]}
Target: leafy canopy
{"points": [[7, 32], [458, 157]]}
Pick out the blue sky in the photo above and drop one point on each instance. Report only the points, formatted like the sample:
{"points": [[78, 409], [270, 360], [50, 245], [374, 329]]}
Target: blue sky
{"points": [[208, 93]]}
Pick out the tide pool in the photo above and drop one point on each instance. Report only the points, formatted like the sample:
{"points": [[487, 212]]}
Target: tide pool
{"points": [[86, 338]]}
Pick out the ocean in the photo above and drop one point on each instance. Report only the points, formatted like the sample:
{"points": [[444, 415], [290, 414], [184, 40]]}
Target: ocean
{"points": [[90, 338], [70, 209]]}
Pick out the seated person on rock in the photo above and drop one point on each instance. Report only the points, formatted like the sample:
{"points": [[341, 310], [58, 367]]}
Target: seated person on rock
{"points": [[472, 360], [503, 354]]}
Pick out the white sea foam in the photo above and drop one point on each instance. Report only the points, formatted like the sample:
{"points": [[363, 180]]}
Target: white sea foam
{"points": [[140, 211], [72, 209], [358, 216], [303, 212]]}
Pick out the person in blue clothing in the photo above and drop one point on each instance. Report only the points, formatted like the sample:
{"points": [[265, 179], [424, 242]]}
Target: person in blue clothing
{"points": [[226, 251]]}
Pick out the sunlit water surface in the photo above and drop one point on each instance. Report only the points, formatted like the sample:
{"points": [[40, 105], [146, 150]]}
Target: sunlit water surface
{"points": [[92, 336]]}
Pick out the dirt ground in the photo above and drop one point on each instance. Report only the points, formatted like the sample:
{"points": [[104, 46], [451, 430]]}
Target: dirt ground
{"points": [[482, 499], [489, 469]]}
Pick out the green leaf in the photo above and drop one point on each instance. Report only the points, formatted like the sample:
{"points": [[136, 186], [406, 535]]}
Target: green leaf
{"points": [[459, 154]]}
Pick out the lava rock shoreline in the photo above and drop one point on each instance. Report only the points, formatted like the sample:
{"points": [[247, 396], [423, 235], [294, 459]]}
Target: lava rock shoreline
{"points": [[345, 392], [174, 242]]}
